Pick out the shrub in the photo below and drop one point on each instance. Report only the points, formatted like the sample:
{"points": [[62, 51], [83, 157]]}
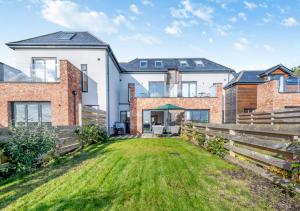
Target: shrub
{"points": [[27, 145], [90, 134], [200, 138], [216, 146]]}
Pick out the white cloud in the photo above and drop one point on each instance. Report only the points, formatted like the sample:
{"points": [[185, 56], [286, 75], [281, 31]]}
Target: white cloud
{"points": [[241, 44], [268, 48], [233, 19], [289, 22], [144, 38], [242, 16], [121, 20], [134, 9], [147, 3], [187, 9], [176, 27], [224, 30], [70, 15], [267, 18], [250, 5], [210, 40]]}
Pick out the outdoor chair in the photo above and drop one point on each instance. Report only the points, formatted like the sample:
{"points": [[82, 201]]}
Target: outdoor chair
{"points": [[174, 130], [157, 130]]}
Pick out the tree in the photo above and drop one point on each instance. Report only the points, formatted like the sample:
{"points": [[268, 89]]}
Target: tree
{"points": [[296, 71]]}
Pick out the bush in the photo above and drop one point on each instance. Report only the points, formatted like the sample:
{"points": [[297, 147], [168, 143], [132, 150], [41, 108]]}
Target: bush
{"points": [[90, 134], [27, 145], [200, 138], [216, 146]]}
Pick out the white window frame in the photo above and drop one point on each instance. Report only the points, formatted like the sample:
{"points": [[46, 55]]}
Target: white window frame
{"points": [[183, 63], [159, 62], [146, 64], [199, 63]]}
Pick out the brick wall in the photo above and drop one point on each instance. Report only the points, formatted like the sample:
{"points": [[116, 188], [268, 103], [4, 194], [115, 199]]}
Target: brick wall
{"points": [[58, 93], [137, 105], [269, 98]]}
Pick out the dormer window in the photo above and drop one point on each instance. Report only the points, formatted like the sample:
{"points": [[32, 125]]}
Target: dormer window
{"points": [[183, 63], [158, 64], [199, 63], [144, 64]]}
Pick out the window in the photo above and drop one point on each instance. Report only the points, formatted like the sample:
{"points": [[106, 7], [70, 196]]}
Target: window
{"points": [[275, 77], [146, 121], [189, 89], [183, 63], [66, 36], [144, 64], [44, 70], [249, 110], [84, 78], [124, 116], [199, 63], [157, 89], [197, 116], [31, 113], [158, 64]]}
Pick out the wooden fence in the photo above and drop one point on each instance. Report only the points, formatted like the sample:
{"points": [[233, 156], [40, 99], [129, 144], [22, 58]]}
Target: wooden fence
{"points": [[263, 145], [88, 115], [286, 116], [67, 140]]}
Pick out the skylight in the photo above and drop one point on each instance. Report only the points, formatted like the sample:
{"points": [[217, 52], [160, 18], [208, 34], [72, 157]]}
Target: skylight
{"points": [[143, 64], [158, 64], [183, 63], [66, 36], [199, 63]]}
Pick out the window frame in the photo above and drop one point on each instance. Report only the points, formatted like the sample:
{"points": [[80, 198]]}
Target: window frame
{"points": [[189, 88], [158, 61], [181, 62], [200, 110], [84, 73], [199, 63], [146, 64], [33, 73], [26, 103], [157, 82]]}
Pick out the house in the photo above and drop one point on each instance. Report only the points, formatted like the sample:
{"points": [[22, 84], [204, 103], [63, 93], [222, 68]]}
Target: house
{"points": [[194, 84], [262, 91], [57, 73], [39, 58]]}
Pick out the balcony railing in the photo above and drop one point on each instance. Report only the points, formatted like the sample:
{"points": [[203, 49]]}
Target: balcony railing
{"points": [[35, 73], [290, 85], [175, 91]]}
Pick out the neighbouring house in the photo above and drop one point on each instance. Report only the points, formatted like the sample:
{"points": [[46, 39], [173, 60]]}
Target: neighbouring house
{"points": [[194, 84], [262, 91], [39, 58], [57, 73]]}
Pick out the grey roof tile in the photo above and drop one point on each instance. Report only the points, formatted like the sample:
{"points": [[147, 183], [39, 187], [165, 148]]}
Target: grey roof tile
{"points": [[54, 39], [169, 63]]}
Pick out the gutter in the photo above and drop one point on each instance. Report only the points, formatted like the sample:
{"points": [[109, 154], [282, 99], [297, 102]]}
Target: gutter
{"points": [[107, 91]]}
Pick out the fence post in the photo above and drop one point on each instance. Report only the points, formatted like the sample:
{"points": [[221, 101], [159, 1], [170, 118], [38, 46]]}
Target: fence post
{"points": [[252, 119], [272, 118], [80, 114], [231, 143]]}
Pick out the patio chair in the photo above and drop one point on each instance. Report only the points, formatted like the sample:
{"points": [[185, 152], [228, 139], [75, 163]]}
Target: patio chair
{"points": [[157, 130], [174, 130]]}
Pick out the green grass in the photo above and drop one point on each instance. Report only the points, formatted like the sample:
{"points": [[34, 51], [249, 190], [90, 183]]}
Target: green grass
{"points": [[136, 174]]}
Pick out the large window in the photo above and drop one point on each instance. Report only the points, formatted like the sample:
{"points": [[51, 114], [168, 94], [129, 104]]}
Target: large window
{"points": [[197, 116], [157, 89], [44, 70], [31, 113], [189, 89], [146, 121], [84, 78]]}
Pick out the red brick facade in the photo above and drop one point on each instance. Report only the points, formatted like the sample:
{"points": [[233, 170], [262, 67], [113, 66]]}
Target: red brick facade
{"points": [[59, 94], [137, 105], [269, 98]]}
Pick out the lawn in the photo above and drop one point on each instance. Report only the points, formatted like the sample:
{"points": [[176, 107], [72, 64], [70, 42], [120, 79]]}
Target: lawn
{"points": [[133, 174]]}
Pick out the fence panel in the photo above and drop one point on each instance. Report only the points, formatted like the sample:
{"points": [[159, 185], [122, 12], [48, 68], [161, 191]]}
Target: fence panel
{"points": [[90, 115]]}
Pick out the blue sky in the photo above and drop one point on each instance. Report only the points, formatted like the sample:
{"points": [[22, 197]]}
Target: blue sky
{"points": [[239, 34]]}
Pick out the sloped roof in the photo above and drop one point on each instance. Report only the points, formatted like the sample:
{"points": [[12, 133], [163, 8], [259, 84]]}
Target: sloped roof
{"points": [[78, 39], [272, 69], [204, 65], [246, 77]]}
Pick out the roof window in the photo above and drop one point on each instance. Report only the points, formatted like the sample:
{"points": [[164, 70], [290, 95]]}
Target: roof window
{"points": [[183, 63], [199, 63], [66, 36], [143, 64], [158, 64]]}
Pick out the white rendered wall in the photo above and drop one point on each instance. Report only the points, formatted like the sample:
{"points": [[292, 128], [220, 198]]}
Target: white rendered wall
{"points": [[94, 58]]}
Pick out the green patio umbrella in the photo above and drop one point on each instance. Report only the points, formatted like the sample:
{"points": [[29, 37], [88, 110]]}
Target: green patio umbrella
{"points": [[168, 107]]}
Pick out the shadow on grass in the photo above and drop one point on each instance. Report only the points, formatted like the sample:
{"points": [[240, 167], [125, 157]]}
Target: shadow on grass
{"points": [[17, 187]]}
